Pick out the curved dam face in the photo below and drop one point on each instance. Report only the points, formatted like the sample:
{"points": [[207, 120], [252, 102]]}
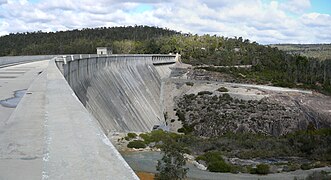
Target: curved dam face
{"points": [[123, 92]]}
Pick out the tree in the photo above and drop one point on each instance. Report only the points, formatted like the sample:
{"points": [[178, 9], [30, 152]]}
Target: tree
{"points": [[171, 166]]}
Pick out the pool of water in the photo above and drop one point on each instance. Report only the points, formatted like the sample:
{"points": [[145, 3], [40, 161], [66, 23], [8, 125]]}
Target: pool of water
{"points": [[13, 101], [147, 161]]}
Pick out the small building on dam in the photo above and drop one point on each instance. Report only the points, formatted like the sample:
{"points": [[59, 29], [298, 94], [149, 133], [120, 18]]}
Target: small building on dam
{"points": [[104, 50]]}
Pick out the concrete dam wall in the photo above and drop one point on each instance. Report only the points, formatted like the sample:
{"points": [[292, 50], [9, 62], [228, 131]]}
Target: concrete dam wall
{"points": [[121, 91]]}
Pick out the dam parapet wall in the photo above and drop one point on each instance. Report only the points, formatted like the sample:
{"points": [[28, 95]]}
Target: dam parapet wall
{"points": [[6, 60], [122, 92]]}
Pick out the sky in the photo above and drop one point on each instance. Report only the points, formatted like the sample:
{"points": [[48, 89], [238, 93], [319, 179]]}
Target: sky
{"points": [[263, 21]]}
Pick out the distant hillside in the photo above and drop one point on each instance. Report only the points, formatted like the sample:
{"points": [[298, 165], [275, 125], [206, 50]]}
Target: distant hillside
{"points": [[75, 41], [269, 64], [319, 51]]}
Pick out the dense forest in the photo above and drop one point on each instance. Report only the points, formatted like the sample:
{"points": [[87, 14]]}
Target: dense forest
{"points": [[320, 51], [269, 64], [77, 41]]}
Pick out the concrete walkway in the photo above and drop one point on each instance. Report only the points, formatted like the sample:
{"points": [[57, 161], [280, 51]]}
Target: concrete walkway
{"points": [[16, 79], [50, 135]]}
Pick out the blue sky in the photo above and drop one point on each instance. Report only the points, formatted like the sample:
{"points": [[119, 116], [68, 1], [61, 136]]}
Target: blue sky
{"points": [[321, 6], [264, 21], [143, 8]]}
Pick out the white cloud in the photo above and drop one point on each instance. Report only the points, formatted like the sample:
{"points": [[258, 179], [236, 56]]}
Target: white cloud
{"points": [[296, 6], [316, 20], [3, 2], [261, 21]]}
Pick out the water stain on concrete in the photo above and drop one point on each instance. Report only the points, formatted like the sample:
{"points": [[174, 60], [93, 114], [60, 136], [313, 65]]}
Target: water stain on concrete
{"points": [[29, 158], [13, 101]]}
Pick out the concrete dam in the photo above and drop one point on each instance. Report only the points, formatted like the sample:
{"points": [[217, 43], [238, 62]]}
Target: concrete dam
{"points": [[59, 127], [121, 91]]}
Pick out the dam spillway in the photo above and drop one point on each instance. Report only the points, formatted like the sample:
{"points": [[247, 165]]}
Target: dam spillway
{"points": [[123, 92]]}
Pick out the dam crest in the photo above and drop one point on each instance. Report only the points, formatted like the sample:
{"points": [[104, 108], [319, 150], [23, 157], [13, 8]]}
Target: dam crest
{"points": [[59, 128]]}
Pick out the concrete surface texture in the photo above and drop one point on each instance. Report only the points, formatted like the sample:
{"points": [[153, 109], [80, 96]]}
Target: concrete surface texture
{"points": [[75, 145], [5, 60], [14, 81], [49, 134], [122, 92]]}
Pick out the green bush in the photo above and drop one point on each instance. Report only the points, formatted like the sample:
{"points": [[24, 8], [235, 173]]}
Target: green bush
{"points": [[181, 130], [306, 166], [262, 169], [136, 144], [146, 137], [226, 96], [158, 136], [186, 129], [211, 156], [291, 167], [132, 135], [236, 169], [205, 92], [222, 89], [189, 83], [215, 162], [181, 115], [219, 166]]}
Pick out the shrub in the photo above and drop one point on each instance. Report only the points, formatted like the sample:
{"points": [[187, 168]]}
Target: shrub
{"points": [[181, 130], [219, 166], [215, 162], [262, 169], [291, 167], [222, 89], [305, 166], [211, 156], [146, 137], [189, 83], [205, 92], [189, 96], [132, 135], [251, 170], [136, 144], [181, 115], [226, 96], [236, 169], [186, 129], [172, 164], [158, 136]]}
